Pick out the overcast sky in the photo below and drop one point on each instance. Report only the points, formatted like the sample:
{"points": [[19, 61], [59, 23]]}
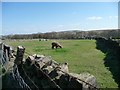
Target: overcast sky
{"points": [[33, 17]]}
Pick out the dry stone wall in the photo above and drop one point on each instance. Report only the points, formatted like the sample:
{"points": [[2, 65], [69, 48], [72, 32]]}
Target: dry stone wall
{"points": [[42, 72]]}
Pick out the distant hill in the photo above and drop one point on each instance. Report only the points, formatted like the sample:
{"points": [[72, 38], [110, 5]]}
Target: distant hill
{"points": [[74, 34]]}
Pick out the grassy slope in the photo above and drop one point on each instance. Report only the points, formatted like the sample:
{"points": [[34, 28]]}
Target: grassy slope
{"points": [[81, 55]]}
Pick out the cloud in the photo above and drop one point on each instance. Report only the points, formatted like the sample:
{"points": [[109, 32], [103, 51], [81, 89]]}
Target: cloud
{"points": [[116, 16], [75, 26], [113, 17], [94, 18]]}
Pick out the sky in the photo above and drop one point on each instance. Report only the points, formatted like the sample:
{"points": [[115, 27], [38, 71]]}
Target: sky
{"points": [[41, 17]]}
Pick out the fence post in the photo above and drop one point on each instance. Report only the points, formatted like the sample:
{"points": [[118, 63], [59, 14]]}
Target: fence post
{"points": [[19, 56]]}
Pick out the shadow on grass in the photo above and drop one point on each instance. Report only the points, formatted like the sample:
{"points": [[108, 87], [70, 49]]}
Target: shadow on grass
{"points": [[41, 49], [49, 49], [112, 58]]}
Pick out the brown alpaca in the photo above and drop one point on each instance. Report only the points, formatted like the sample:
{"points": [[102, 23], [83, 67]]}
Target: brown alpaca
{"points": [[56, 45]]}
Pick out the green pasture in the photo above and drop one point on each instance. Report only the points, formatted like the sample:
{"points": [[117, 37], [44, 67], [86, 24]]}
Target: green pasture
{"points": [[81, 55]]}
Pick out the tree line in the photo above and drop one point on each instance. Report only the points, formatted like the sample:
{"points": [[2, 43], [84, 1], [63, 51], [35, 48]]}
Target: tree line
{"points": [[68, 35]]}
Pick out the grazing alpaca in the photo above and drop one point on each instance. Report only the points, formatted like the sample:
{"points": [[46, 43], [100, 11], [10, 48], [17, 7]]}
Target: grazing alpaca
{"points": [[56, 45]]}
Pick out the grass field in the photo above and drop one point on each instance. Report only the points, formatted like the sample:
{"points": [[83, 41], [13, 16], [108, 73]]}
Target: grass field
{"points": [[81, 55]]}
